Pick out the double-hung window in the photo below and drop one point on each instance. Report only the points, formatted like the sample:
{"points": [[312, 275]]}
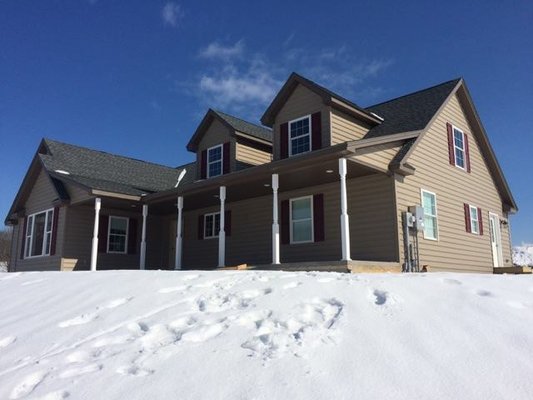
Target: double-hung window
{"points": [[214, 161], [301, 211], [38, 235], [118, 235], [429, 203], [459, 147], [211, 225], [300, 136], [474, 220]]}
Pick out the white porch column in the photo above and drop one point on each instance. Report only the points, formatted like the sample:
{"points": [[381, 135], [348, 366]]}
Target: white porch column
{"points": [[222, 232], [345, 224], [275, 220], [94, 249], [179, 239], [143, 238]]}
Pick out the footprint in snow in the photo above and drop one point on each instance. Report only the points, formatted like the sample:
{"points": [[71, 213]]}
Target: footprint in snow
{"points": [[380, 297], [57, 395], [133, 370], [484, 293], [203, 333], [452, 281], [7, 341], [118, 302], [28, 385], [79, 320]]}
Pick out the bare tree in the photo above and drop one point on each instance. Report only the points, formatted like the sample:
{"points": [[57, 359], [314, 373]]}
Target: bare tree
{"points": [[5, 247]]}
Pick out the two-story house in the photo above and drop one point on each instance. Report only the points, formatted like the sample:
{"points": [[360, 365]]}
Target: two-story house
{"points": [[324, 183]]}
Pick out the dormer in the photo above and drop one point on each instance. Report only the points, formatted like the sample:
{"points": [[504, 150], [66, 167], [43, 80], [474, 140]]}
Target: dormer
{"points": [[306, 117], [225, 144]]}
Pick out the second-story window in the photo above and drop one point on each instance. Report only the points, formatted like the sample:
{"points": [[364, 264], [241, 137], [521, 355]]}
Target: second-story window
{"points": [[300, 136], [459, 147], [214, 161]]}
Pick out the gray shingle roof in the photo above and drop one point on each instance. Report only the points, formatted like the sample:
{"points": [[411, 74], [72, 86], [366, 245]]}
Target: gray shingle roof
{"points": [[246, 127], [411, 112], [110, 172]]}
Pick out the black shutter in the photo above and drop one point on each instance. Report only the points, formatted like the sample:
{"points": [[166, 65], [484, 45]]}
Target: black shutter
{"points": [[103, 225], [285, 227], [203, 164], [480, 218], [132, 236], [316, 131], [227, 222], [318, 217], [468, 226], [451, 155], [467, 154], [226, 158], [284, 140], [200, 227]]}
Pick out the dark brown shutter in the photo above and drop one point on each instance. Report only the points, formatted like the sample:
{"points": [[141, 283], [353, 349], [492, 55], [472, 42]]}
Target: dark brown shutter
{"points": [[467, 153], [480, 218], [316, 130], [226, 158], [285, 227], [468, 227], [318, 217], [103, 225], [451, 155], [200, 227], [132, 236], [227, 222], [284, 140], [22, 247], [54, 231], [203, 164]]}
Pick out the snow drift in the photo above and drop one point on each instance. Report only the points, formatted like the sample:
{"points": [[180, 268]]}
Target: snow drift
{"points": [[264, 335]]}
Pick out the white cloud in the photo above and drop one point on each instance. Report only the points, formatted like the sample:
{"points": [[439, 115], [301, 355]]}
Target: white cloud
{"points": [[217, 50], [172, 14]]}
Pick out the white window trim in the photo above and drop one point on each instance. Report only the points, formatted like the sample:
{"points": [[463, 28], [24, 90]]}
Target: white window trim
{"points": [[454, 128], [43, 250], [310, 197], [436, 216], [308, 117], [215, 234], [213, 162], [109, 234], [470, 207]]}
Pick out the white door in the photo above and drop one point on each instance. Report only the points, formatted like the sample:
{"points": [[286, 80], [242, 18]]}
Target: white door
{"points": [[496, 240]]}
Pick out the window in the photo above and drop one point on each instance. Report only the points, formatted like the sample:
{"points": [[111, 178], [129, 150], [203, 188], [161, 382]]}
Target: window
{"points": [[38, 239], [301, 210], [211, 225], [474, 220], [300, 136], [214, 161], [117, 239], [429, 203], [459, 147]]}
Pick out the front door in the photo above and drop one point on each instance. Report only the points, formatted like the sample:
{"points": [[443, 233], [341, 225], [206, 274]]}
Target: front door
{"points": [[496, 240]]}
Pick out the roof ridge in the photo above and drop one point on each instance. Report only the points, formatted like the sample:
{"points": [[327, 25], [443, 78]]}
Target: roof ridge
{"points": [[111, 154], [415, 92], [241, 119]]}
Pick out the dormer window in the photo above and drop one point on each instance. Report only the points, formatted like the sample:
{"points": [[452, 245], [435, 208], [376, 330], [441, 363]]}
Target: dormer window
{"points": [[214, 161], [300, 135]]}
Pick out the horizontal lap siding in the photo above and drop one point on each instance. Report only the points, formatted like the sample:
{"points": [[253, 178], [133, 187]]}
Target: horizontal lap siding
{"points": [[300, 103], [77, 194], [456, 250], [380, 157], [345, 128], [251, 156], [372, 227], [217, 133], [41, 198]]}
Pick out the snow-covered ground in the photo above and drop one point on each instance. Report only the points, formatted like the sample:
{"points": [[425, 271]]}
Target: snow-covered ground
{"points": [[523, 255], [265, 335]]}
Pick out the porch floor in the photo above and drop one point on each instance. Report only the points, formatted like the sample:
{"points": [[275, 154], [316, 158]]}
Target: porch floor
{"points": [[353, 266]]}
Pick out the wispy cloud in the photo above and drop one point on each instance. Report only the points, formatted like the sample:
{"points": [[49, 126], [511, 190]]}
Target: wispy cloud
{"points": [[172, 14], [245, 82], [217, 50]]}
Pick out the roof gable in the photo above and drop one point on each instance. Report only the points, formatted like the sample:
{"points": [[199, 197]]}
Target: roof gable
{"points": [[234, 124], [329, 98]]}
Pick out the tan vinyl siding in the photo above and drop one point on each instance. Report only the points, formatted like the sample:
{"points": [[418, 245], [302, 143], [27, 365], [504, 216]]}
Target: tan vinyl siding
{"points": [[216, 134], [251, 156], [378, 156], [372, 227], [455, 249], [41, 198], [79, 233], [302, 102], [345, 128]]}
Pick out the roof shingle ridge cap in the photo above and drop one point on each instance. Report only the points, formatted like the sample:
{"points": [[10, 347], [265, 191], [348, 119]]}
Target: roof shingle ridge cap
{"points": [[415, 92], [241, 119]]}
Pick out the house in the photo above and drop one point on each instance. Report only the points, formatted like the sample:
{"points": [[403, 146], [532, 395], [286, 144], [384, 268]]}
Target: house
{"points": [[324, 182]]}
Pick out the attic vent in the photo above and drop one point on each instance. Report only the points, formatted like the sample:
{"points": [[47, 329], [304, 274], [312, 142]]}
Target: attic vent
{"points": [[377, 116], [62, 172]]}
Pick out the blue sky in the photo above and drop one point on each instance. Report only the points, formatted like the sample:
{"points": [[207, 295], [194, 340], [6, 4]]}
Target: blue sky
{"points": [[135, 77]]}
